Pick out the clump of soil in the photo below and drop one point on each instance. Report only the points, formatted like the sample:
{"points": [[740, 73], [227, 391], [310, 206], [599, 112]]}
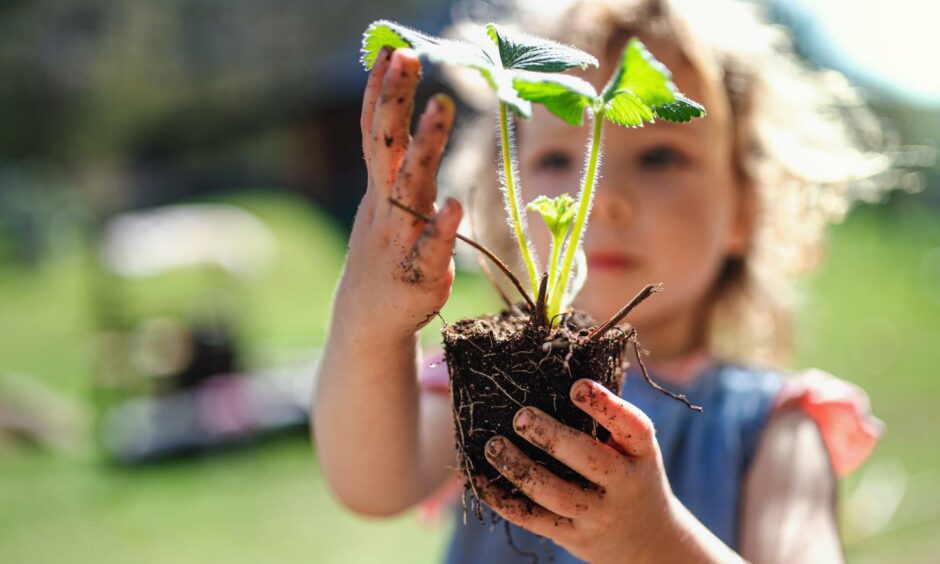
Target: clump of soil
{"points": [[498, 364]]}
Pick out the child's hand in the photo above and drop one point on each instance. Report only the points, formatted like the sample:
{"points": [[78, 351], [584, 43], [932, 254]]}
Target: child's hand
{"points": [[631, 515], [399, 270]]}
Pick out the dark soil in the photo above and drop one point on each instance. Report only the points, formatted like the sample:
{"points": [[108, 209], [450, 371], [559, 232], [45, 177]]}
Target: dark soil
{"points": [[498, 364]]}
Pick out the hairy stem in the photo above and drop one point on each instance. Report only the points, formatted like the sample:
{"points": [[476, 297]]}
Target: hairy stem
{"points": [[512, 197], [580, 221], [557, 243]]}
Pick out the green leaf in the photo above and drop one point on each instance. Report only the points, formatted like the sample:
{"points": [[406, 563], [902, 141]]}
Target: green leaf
{"points": [[642, 75], [680, 111], [558, 212], [384, 33], [641, 89], [563, 95], [628, 110], [522, 51]]}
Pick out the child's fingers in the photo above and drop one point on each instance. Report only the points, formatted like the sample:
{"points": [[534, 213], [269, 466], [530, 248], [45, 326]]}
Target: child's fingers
{"points": [[416, 186], [539, 484], [532, 518], [595, 461], [630, 429], [430, 256], [392, 119], [370, 98]]}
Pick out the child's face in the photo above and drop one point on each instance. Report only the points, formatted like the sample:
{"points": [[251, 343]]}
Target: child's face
{"points": [[666, 208]]}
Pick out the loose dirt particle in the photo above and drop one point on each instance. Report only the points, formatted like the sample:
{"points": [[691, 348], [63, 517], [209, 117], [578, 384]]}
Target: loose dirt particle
{"points": [[411, 273]]}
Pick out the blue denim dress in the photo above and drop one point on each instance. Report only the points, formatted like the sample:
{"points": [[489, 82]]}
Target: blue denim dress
{"points": [[706, 456]]}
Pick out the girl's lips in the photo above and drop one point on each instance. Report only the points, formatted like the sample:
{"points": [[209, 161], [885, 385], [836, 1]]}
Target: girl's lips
{"points": [[604, 260]]}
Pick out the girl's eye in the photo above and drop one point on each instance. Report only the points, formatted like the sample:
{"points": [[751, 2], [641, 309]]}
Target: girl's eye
{"points": [[662, 158], [553, 161]]}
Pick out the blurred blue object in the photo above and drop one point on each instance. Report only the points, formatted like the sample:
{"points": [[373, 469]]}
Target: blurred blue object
{"points": [[222, 411]]}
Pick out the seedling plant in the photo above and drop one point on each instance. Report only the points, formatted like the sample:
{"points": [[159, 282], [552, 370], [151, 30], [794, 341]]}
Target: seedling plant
{"points": [[532, 352]]}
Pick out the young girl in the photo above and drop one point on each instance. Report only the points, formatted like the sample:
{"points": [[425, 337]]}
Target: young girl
{"points": [[721, 211]]}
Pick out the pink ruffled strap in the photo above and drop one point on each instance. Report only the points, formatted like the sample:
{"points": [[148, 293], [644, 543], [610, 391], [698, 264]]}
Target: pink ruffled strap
{"points": [[435, 379], [434, 375], [840, 410], [432, 510]]}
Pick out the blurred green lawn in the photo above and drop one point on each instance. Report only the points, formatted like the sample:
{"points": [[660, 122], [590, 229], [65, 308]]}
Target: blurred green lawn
{"points": [[871, 315]]}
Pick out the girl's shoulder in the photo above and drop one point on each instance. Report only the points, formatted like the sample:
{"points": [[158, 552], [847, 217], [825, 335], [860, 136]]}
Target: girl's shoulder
{"points": [[842, 414], [840, 409], [740, 401]]}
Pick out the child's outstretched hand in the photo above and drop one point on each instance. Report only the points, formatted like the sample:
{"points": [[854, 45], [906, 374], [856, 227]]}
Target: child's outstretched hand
{"points": [[631, 515], [399, 270]]}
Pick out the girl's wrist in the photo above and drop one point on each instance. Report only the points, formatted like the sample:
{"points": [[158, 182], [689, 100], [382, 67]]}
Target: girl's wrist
{"points": [[354, 325], [383, 313], [683, 538], [370, 337]]}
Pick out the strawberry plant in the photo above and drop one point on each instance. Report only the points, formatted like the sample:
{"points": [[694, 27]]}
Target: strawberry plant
{"points": [[530, 354]]}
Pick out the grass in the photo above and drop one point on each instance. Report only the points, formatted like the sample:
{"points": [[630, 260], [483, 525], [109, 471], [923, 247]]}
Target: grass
{"points": [[265, 504], [871, 315]]}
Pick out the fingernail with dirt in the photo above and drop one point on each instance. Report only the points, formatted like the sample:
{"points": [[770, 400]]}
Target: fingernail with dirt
{"points": [[445, 212], [406, 57], [451, 205], [443, 103], [581, 391], [495, 446], [523, 419]]}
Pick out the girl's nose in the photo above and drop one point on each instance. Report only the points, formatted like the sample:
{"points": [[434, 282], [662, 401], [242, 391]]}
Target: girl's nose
{"points": [[613, 206]]}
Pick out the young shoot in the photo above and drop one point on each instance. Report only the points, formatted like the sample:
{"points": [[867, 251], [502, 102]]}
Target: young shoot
{"points": [[558, 213]]}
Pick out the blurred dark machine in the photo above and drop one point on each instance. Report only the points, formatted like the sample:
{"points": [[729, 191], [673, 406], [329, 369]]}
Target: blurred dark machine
{"points": [[170, 378]]}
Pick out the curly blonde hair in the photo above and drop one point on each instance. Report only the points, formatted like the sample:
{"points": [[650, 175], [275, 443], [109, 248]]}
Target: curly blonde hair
{"points": [[805, 147]]}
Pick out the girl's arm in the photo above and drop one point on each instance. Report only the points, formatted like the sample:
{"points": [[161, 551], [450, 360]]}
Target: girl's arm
{"points": [[788, 511], [381, 446]]}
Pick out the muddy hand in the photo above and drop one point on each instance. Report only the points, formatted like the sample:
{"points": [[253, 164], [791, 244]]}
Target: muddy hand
{"points": [[400, 269], [631, 500]]}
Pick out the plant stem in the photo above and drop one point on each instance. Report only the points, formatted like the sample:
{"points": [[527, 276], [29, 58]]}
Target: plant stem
{"points": [[537, 319], [584, 206], [512, 197], [646, 292], [557, 243]]}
